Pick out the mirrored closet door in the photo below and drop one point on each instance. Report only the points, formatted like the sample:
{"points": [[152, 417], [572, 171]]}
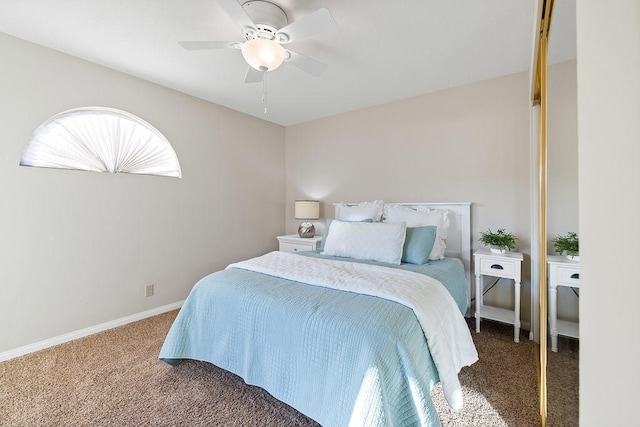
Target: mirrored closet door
{"points": [[562, 218]]}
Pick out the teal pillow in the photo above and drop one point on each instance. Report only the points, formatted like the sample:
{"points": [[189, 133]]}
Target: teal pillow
{"points": [[326, 230], [418, 244]]}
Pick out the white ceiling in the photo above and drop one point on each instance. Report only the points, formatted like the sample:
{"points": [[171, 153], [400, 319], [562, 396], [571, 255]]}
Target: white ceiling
{"points": [[381, 51]]}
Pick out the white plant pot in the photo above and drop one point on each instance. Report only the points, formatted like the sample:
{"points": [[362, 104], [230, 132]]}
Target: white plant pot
{"points": [[495, 250], [571, 257]]}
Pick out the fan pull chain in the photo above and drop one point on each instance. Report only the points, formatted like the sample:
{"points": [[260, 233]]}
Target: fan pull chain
{"points": [[264, 91]]}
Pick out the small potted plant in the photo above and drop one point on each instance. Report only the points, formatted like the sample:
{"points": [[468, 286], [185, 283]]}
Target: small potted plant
{"points": [[499, 241], [567, 245]]}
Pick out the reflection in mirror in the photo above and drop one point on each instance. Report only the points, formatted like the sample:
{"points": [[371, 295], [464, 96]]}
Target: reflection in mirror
{"points": [[562, 217]]}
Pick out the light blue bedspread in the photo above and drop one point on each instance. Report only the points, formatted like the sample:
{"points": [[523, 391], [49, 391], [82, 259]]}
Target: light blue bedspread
{"points": [[340, 358]]}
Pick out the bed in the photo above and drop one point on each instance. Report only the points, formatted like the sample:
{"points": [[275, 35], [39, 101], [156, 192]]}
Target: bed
{"points": [[341, 335]]}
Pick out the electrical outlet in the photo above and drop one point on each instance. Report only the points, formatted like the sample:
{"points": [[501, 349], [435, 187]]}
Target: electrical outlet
{"points": [[148, 290]]}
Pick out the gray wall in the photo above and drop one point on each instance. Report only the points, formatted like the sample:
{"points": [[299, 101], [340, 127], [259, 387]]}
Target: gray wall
{"points": [[77, 248], [608, 65], [562, 150]]}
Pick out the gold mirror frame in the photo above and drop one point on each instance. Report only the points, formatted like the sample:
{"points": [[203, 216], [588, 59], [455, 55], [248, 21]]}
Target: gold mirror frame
{"points": [[540, 97]]}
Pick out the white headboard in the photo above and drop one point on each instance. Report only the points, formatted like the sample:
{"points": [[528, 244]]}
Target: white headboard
{"points": [[459, 237]]}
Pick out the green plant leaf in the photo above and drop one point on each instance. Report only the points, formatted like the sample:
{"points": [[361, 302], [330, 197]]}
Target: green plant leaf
{"points": [[500, 239]]}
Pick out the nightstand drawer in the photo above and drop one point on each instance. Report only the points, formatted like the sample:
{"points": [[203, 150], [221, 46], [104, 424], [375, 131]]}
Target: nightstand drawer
{"points": [[295, 243], [297, 247], [499, 268], [568, 276]]}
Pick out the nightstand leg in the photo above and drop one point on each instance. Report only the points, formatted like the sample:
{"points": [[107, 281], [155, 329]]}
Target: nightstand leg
{"points": [[516, 309], [478, 302], [553, 317]]}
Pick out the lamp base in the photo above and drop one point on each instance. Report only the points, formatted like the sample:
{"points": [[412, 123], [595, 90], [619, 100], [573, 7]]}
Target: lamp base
{"points": [[306, 230]]}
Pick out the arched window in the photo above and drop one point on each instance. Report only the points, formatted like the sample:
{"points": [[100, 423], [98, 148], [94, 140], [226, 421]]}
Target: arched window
{"points": [[101, 139]]}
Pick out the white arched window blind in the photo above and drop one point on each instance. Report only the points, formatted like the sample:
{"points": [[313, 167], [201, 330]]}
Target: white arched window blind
{"points": [[101, 139]]}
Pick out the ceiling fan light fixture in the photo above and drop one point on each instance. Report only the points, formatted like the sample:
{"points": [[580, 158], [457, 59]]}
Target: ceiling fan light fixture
{"points": [[263, 54]]}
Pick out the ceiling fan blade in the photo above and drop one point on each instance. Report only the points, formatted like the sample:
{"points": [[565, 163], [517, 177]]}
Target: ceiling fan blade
{"points": [[311, 66], [315, 23], [199, 45], [237, 13], [253, 76]]}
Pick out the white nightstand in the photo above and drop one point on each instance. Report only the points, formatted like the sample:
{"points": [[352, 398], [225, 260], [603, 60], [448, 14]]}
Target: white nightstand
{"points": [[562, 272], [508, 266], [295, 243]]}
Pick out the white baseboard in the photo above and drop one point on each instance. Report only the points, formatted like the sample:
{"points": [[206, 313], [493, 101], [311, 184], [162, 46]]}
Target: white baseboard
{"points": [[40, 345]]}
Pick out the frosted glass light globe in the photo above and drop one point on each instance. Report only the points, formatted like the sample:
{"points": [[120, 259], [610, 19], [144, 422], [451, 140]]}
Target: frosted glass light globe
{"points": [[263, 55]]}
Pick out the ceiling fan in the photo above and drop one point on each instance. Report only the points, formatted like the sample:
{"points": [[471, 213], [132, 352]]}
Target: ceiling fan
{"points": [[266, 29]]}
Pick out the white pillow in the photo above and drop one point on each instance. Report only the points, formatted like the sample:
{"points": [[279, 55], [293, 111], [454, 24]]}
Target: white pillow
{"points": [[375, 241], [363, 210], [420, 217]]}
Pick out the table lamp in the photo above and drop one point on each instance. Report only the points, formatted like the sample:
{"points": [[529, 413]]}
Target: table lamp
{"points": [[305, 210]]}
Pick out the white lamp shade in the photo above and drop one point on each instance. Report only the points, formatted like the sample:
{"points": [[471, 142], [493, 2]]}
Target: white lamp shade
{"points": [[307, 209], [263, 55]]}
